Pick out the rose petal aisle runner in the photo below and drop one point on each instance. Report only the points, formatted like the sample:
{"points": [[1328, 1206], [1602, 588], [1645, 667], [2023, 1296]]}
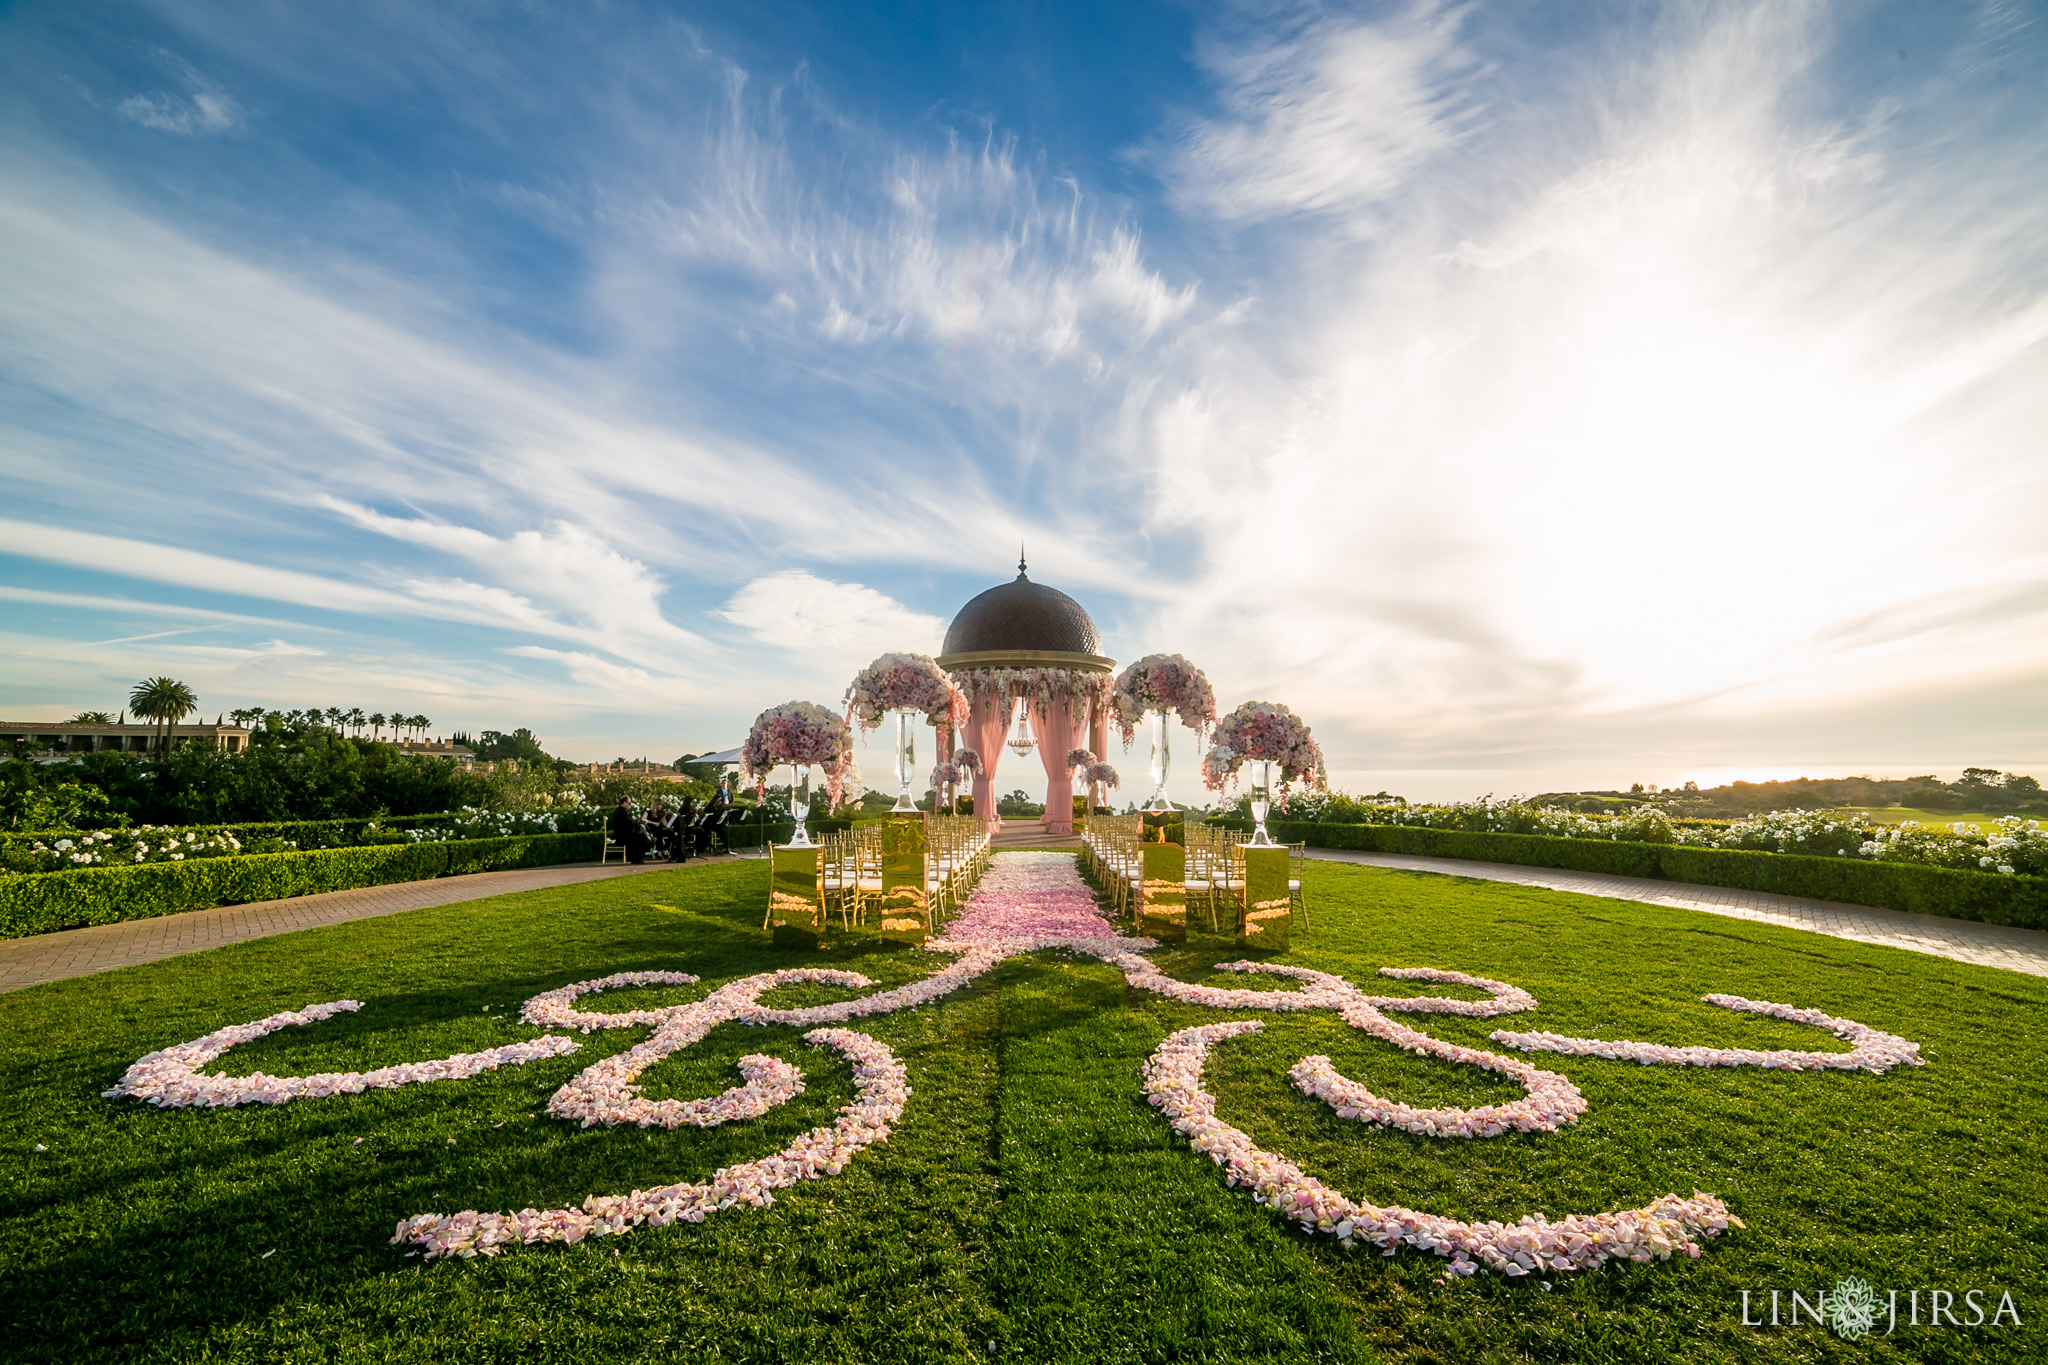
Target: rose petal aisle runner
{"points": [[1035, 900]]}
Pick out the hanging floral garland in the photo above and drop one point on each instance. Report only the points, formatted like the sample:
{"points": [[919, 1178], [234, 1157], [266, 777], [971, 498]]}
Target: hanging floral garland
{"points": [[1163, 682], [1042, 686], [1263, 732], [898, 682], [802, 733]]}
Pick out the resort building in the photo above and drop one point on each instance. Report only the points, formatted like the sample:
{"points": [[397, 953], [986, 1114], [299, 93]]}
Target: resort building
{"points": [[55, 739]]}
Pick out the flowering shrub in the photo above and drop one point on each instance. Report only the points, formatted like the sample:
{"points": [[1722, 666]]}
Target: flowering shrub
{"points": [[2014, 845], [802, 733], [897, 682], [1263, 731], [472, 823], [126, 847], [168, 844], [1163, 682]]}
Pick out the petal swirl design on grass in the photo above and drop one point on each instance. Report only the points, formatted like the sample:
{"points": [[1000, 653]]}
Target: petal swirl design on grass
{"points": [[1030, 902], [881, 1088], [1173, 1084], [171, 1078], [1871, 1050]]}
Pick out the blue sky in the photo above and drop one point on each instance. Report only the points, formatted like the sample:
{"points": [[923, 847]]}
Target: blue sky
{"points": [[1530, 395]]}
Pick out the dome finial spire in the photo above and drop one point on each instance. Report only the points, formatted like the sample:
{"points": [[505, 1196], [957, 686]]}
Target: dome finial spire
{"points": [[1020, 559]]}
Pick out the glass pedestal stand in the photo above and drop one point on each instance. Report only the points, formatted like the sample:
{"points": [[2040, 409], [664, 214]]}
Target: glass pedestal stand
{"points": [[800, 803], [1261, 777], [906, 759], [1155, 722]]}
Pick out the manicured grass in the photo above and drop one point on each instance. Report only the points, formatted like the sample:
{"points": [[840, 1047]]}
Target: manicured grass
{"points": [[1030, 1206], [1940, 819]]}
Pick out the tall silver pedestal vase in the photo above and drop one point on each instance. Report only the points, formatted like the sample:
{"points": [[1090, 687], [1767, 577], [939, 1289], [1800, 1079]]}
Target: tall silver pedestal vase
{"points": [[906, 759], [800, 804], [1260, 773], [1155, 722]]}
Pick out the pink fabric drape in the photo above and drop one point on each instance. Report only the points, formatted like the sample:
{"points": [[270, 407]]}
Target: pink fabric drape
{"points": [[1098, 730], [1056, 730], [988, 725]]}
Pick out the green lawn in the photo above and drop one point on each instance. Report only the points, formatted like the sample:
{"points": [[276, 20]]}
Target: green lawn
{"points": [[1030, 1206], [1939, 819]]}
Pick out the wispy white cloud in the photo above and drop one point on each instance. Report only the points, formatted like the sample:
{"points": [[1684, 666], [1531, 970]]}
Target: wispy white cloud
{"points": [[797, 610], [1322, 114], [201, 109]]}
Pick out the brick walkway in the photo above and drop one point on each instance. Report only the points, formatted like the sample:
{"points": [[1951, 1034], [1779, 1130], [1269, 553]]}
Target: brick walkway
{"points": [[103, 947], [1985, 945]]}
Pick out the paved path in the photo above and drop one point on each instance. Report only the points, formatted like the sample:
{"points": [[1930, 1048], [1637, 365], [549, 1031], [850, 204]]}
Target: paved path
{"points": [[103, 947], [1986, 945]]}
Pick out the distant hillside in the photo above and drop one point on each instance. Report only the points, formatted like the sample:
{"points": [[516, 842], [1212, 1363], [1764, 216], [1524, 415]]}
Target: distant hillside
{"points": [[1979, 789]]}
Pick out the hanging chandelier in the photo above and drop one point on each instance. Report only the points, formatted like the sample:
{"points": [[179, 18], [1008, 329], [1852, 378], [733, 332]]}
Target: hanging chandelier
{"points": [[1021, 742]]}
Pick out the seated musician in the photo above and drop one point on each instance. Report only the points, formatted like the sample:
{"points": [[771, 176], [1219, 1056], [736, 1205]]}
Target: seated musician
{"points": [[626, 830], [683, 829]]}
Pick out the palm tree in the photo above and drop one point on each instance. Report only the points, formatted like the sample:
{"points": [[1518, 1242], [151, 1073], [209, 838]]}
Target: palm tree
{"points": [[377, 725], [420, 723], [335, 715], [356, 719], [92, 718], [248, 716], [165, 701]]}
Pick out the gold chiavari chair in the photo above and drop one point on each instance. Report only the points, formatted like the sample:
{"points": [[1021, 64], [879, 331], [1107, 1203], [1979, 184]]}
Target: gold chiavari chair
{"points": [[866, 869], [1297, 882], [1201, 844]]}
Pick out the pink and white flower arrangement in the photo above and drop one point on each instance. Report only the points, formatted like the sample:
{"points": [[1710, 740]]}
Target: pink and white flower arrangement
{"points": [[1266, 732], [1163, 682], [1101, 774], [801, 733], [899, 682], [967, 761], [1079, 758], [1041, 687], [171, 1078]]}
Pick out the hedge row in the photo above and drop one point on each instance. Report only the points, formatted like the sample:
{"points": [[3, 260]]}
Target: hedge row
{"points": [[1986, 897], [38, 903], [320, 832]]}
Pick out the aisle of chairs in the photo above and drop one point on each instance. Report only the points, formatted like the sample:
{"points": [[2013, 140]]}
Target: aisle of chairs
{"points": [[850, 881], [1112, 857]]}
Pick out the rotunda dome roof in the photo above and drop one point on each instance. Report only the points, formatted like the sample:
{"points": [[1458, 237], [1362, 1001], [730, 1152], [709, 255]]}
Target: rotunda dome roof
{"points": [[1023, 618]]}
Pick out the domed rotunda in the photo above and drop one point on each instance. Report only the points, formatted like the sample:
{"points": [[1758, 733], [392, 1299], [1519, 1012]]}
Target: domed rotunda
{"points": [[1022, 624], [1028, 654]]}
